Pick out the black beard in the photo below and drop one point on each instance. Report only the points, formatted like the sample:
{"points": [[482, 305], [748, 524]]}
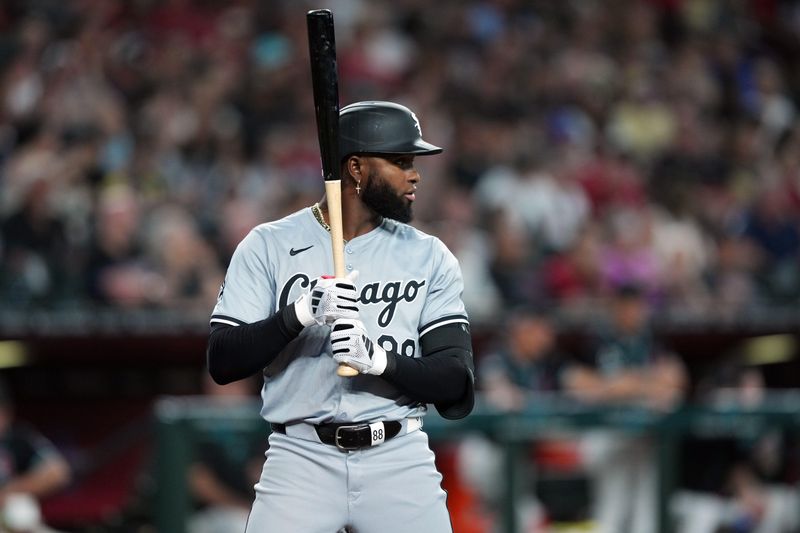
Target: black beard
{"points": [[382, 199]]}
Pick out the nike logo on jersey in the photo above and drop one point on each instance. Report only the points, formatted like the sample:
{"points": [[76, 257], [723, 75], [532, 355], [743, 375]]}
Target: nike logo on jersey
{"points": [[292, 251]]}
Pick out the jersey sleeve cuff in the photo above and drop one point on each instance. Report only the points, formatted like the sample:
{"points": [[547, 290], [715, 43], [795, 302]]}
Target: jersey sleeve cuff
{"points": [[227, 320], [444, 321]]}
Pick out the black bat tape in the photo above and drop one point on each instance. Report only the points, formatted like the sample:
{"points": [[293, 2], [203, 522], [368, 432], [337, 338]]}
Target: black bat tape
{"points": [[324, 78]]}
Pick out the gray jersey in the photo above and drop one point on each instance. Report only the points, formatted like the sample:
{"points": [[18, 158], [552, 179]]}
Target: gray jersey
{"points": [[409, 284]]}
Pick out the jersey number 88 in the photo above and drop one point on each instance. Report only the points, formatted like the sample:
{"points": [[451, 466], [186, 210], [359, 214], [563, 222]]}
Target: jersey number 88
{"points": [[389, 344]]}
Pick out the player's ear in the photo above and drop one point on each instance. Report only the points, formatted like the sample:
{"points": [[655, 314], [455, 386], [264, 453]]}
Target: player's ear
{"points": [[351, 167]]}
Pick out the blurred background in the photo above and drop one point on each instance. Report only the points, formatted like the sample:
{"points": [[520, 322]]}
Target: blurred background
{"points": [[620, 183]]}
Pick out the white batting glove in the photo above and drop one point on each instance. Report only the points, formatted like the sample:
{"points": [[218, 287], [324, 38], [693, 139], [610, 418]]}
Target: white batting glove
{"points": [[352, 346], [330, 299]]}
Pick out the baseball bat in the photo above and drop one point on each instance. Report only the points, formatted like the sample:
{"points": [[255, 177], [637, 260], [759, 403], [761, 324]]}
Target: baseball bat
{"points": [[325, 82]]}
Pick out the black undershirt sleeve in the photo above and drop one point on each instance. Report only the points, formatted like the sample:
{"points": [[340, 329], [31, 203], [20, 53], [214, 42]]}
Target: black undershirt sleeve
{"points": [[443, 376], [237, 352]]}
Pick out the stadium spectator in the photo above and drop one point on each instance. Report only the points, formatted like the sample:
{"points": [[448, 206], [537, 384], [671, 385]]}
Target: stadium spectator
{"points": [[35, 246], [512, 261], [773, 226], [572, 277], [472, 247], [184, 262], [117, 274], [628, 256]]}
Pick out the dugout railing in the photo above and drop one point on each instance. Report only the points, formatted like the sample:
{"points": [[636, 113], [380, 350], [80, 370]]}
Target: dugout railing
{"points": [[181, 420]]}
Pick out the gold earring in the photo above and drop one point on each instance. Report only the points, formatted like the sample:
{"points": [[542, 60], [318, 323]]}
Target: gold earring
{"points": [[358, 188]]}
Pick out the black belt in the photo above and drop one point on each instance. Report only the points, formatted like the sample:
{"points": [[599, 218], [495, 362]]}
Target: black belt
{"points": [[350, 436]]}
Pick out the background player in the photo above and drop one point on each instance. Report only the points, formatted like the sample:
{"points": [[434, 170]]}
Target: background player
{"points": [[348, 451], [31, 468]]}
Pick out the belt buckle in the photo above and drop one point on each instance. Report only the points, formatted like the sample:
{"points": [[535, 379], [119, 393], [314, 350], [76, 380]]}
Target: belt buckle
{"points": [[337, 437]]}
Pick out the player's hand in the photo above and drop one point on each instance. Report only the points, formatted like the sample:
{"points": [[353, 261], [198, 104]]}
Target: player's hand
{"points": [[329, 300], [352, 346]]}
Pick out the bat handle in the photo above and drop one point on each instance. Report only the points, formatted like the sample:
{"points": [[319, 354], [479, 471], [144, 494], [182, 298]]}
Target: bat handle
{"points": [[346, 371], [333, 193]]}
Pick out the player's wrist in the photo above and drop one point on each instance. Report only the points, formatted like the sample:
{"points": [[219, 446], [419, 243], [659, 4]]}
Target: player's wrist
{"points": [[379, 361], [291, 323], [391, 364], [302, 310]]}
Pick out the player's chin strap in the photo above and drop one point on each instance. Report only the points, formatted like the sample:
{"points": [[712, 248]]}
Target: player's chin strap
{"points": [[350, 436]]}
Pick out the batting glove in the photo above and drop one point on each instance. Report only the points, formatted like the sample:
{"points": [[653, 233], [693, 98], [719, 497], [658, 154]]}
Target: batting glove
{"points": [[330, 299], [352, 346]]}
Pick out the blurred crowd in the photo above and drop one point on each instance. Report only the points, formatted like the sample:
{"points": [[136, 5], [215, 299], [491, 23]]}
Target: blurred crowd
{"points": [[643, 152], [589, 144]]}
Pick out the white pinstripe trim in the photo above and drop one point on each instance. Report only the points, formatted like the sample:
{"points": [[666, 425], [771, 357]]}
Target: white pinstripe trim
{"points": [[443, 323], [223, 321]]}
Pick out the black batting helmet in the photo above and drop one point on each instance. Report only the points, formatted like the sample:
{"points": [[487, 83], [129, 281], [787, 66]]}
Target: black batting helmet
{"points": [[381, 128]]}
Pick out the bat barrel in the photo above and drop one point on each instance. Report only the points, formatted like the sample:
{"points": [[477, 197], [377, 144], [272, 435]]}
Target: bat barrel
{"points": [[324, 78]]}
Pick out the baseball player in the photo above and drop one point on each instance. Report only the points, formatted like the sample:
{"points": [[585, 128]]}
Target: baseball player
{"points": [[349, 451]]}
